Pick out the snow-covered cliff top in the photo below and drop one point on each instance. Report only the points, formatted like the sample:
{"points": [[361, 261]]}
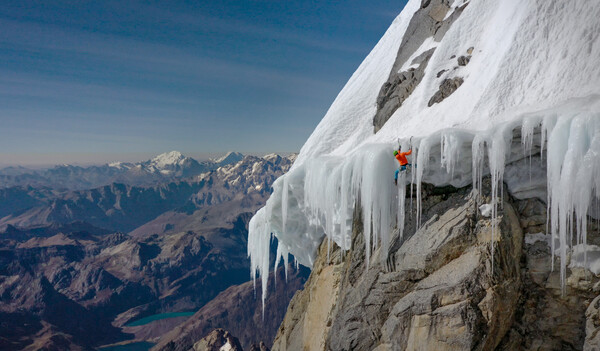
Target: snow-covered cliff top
{"points": [[527, 55]]}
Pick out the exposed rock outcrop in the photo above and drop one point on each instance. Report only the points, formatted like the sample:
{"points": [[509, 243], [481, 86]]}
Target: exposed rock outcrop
{"points": [[398, 88], [447, 87], [430, 21], [443, 287], [218, 340], [464, 60], [259, 347]]}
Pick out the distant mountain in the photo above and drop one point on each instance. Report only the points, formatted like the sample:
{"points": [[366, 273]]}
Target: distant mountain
{"points": [[174, 164], [229, 158], [14, 171], [124, 207], [169, 166], [241, 185]]}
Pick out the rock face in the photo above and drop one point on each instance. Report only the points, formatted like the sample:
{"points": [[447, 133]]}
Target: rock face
{"points": [[447, 87], [464, 60], [429, 22], [443, 287], [547, 319]]}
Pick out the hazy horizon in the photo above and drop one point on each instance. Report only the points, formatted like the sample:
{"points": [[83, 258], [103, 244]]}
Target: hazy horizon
{"points": [[40, 160]]}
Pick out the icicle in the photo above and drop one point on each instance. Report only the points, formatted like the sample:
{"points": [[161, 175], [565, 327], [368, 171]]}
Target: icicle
{"points": [[282, 252], [286, 258], [527, 130], [451, 144], [278, 256], [573, 178], [413, 177], [548, 124], [401, 201], [478, 152], [557, 148], [422, 162], [259, 240], [347, 202], [587, 187], [376, 170], [497, 159], [284, 204]]}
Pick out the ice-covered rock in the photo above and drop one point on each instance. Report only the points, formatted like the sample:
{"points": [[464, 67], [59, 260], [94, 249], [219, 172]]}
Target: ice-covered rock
{"points": [[318, 197], [486, 210]]}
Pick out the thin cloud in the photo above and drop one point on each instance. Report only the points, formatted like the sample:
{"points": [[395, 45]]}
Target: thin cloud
{"points": [[157, 62]]}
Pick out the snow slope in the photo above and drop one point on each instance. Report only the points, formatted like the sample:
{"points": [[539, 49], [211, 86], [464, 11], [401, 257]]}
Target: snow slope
{"points": [[533, 83], [528, 55]]}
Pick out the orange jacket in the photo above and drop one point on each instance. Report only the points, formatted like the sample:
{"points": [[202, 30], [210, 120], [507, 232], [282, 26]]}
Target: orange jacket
{"points": [[401, 157]]}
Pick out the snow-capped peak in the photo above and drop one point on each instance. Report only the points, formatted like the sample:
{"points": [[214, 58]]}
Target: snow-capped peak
{"points": [[120, 165], [167, 159], [229, 158], [272, 156]]}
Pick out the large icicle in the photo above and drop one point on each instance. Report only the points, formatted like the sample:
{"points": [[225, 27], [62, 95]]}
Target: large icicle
{"points": [[422, 163], [497, 159], [259, 240], [573, 179]]}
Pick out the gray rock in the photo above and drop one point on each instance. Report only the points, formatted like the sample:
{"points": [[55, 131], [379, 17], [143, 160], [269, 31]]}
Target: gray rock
{"points": [[259, 347], [216, 340], [547, 319], [592, 326], [464, 60], [445, 25], [447, 87]]}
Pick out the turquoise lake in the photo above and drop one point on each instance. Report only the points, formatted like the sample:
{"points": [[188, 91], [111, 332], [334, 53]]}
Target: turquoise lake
{"points": [[156, 317], [136, 346]]}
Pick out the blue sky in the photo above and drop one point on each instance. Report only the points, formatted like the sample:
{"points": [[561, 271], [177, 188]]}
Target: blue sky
{"points": [[104, 80]]}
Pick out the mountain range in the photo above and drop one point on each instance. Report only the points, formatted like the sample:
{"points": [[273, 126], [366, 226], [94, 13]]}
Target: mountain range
{"points": [[97, 259], [165, 167]]}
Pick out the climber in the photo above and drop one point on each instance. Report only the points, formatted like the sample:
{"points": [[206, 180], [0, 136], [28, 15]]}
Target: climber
{"points": [[401, 157]]}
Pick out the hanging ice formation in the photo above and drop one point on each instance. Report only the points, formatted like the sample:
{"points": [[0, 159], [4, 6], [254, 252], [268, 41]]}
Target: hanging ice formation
{"points": [[317, 198]]}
